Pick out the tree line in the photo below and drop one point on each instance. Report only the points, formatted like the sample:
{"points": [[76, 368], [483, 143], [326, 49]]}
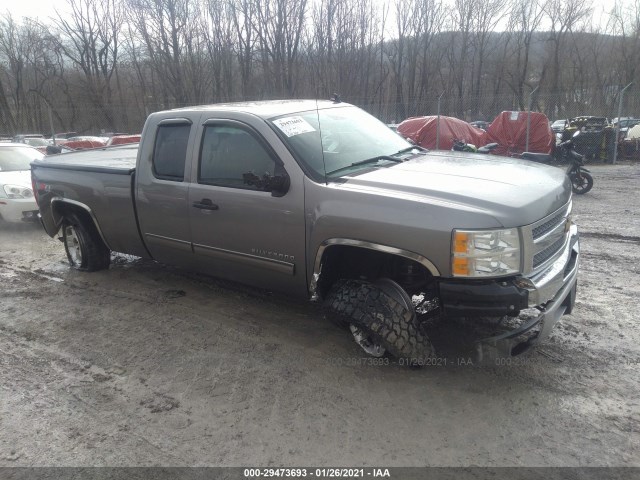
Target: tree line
{"points": [[106, 64]]}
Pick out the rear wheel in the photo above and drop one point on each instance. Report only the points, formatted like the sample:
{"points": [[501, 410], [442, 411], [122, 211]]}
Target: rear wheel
{"points": [[85, 249], [581, 182], [382, 319]]}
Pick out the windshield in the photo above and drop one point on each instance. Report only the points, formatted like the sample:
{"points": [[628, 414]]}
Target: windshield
{"points": [[342, 137], [36, 142], [13, 159]]}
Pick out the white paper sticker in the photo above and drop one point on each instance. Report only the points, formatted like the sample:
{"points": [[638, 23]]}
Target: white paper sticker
{"points": [[514, 115], [291, 126]]}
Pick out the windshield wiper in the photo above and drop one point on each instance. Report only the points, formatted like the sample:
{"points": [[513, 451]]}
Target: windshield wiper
{"points": [[376, 159], [412, 147], [367, 161]]}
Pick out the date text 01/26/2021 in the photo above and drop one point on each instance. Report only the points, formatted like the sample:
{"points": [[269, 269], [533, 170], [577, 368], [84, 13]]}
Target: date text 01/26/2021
{"points": [[317, 472]]}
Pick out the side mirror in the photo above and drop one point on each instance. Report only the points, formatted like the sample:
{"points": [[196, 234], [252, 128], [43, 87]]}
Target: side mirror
{"points": [[279, 185]]}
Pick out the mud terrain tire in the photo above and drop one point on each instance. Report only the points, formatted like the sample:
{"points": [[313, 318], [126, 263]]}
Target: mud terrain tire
{"points": [[85, 249], [388, 321]]}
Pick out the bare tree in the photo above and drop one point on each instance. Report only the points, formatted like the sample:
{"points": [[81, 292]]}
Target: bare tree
{"points": [[167, 29], [485, 20], [31, 72], [525, 20], [90, 36], [401, 50], [464, 11], [280, 27], [242, 14], [109, 63], [625, 20], [563, 15]]}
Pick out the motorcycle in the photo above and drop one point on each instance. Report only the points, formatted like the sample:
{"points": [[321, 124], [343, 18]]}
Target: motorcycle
{"points": [[581, 179]]}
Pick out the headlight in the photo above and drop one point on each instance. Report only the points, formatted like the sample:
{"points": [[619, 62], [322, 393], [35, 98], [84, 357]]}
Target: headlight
{"points": [[485, 253], [15, 191]]}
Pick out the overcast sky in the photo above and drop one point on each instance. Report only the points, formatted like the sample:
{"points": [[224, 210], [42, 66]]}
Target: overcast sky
{"points": [[34, 8], [46, 8]]}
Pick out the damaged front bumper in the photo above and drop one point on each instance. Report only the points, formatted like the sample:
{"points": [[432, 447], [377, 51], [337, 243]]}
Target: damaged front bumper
{"points": [[551, 292]]}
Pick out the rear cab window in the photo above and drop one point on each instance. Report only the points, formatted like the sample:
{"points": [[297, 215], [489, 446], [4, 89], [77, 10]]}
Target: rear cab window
{"points": [[170, 151]]}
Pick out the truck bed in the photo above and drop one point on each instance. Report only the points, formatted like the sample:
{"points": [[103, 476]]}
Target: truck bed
{"points": [[99, 181], [117, 160]]}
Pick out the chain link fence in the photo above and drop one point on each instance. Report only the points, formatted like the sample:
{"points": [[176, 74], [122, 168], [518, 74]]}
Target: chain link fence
{"points": [[594, 114]]}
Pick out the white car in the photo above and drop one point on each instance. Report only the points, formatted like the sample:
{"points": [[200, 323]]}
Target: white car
{"points": [[16, 197]]}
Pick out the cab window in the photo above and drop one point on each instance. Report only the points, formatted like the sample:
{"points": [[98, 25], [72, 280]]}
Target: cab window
{"points": [[231, 156], [170, 152]]}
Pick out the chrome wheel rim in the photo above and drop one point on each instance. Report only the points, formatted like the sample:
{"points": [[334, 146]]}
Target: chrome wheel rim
{"points": [[366, 343], [73, 245]]}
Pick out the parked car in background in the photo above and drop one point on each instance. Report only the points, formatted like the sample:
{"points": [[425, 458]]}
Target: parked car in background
{"points": [[83, 144], [123, 139], [16, 196], [21, 137], [89, 138], [65, 135], [625, 123], [481, 124], [559, 125], [113, 134], [40, 144]]}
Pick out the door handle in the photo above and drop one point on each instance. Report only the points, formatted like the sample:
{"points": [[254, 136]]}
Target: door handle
{"points": [[205, 204]]}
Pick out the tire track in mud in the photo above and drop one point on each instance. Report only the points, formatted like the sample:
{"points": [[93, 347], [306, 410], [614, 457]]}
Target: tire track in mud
{"points": [[80, 386], [616, 237]]}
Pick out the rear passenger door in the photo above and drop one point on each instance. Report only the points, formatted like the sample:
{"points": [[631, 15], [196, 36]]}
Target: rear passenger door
{"points": [[162, 192], [239, 231]]}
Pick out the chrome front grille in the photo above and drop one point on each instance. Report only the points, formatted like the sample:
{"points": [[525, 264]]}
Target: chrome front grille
{"points": [[549, 225], [545, 240], [541, 257]]}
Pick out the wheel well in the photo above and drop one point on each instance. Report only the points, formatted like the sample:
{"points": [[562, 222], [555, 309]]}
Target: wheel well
{"points": [[348, 262], [63, 209]]}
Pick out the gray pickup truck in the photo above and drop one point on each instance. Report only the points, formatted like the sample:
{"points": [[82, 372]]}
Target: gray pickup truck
{"points": [[319, 199]]}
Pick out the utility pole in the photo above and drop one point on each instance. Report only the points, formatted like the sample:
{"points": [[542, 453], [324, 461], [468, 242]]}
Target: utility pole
{"points": [[615, 140], [526, 148], [438, 124]]}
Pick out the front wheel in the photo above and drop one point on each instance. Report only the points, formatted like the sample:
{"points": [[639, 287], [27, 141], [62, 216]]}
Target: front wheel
{"points": [[380, 320], [581, 182], [85, 249]]}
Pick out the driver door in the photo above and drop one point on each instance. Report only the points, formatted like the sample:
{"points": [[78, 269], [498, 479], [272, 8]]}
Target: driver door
{"points": [[240, 232]]}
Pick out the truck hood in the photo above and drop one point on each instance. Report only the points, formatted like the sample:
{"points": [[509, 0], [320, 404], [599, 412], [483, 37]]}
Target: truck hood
{"points": [[515, 192], [21, 178]]}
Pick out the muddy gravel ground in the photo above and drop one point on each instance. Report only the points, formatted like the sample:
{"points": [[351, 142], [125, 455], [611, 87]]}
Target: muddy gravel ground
{"points": [[146, 364]]}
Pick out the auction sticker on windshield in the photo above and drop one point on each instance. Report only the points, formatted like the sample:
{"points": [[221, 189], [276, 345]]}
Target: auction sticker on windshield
{"points": [[292, 126]]}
